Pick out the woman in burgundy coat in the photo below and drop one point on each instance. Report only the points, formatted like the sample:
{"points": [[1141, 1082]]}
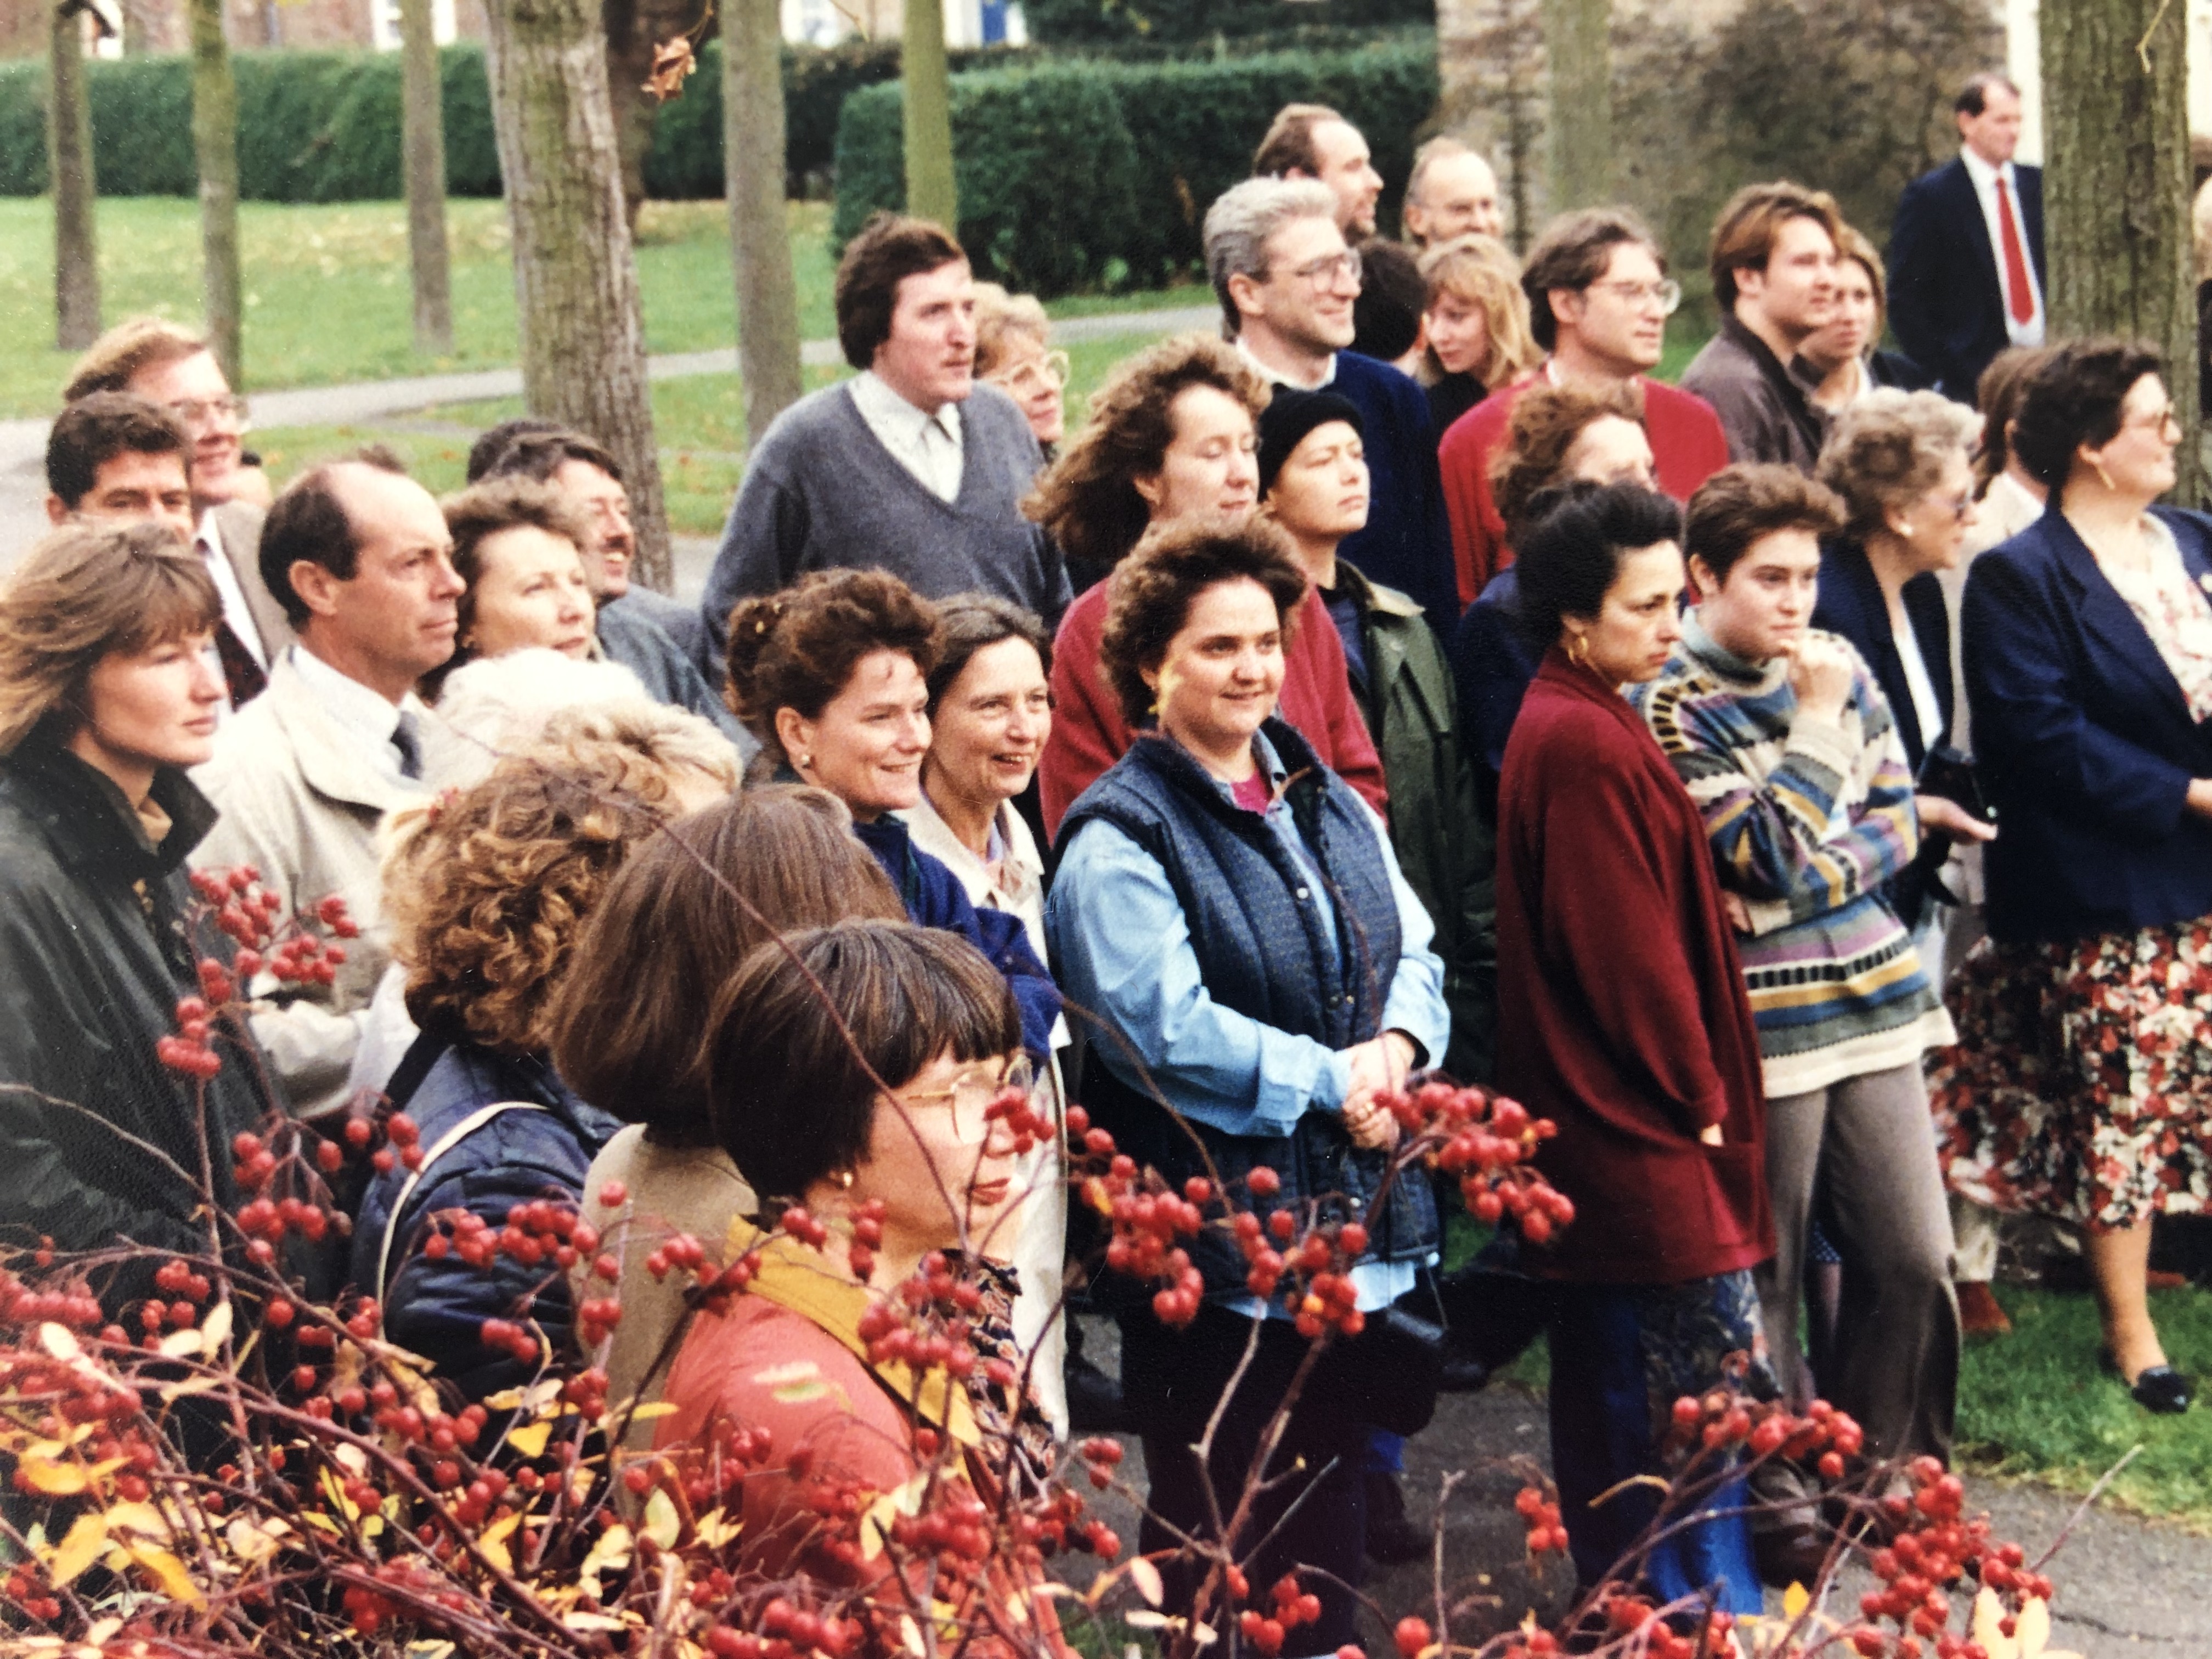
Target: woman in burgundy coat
{"points": [[1623, 1018]]}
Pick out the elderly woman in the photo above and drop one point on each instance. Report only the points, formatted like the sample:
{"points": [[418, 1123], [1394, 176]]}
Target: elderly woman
{"points": [[1623, 1018], [2081, 1084], [832, 676], [667, 935], [517, 545], [1013, 352], [109, 692], [1557, 435], [1843, 352], [1171, 436], [487, 894], [1232, 914], [1476, 324], [850, 1068]]}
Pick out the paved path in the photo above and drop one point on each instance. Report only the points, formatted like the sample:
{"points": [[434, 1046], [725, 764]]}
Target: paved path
{"points": [[22, 442], [2127, 1589]]}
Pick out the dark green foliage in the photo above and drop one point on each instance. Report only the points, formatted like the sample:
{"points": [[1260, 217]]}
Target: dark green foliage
{"points": [[1179, 134], [1084, 22]]}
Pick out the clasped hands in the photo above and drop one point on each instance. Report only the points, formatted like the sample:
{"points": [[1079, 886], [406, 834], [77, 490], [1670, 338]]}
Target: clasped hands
{"points": [[1378, 1067]]}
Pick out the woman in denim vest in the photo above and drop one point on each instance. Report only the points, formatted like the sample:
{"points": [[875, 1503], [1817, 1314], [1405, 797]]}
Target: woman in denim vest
{"points": [[1230, 916]]}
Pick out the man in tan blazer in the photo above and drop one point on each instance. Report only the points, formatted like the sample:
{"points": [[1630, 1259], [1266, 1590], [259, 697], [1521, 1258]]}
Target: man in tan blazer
{"points": [[358, 555]]}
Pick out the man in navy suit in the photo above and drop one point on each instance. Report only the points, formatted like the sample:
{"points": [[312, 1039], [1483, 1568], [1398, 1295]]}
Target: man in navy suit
{"points": [[1965, 255]]}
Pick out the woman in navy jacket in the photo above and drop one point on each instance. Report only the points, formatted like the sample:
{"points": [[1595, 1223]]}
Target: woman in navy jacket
{"points": [[2082, 1086]]}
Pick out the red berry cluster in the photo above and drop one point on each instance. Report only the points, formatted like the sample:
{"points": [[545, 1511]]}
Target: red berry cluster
{"points": [[1101, 1454], [1546, 1532], [25, 1590], [1636, 1623], [73, 1304], [1488, 1144], [372, 1607], [538, 1233], [1935, 1547], [926, 1323], [187, 1051], [1032, 1127], [785, 1630], [249, 912], [1293, 1607], [1724, 1419], [1146, 1216]]}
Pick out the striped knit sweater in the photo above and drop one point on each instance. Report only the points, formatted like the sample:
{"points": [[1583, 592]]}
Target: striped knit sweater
{"points": [[1808, 821]]}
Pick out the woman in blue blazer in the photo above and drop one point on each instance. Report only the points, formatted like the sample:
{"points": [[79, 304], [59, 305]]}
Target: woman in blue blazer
{"points": [[2082, 1086]]}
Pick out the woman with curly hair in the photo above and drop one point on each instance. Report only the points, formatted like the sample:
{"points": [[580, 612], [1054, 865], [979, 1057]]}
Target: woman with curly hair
{"points": [[832, 676], [487, 891], [1172, 435], [1556, 434]]}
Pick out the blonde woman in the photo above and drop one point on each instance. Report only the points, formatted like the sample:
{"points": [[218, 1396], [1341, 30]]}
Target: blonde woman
{"points": [[1477, 325], [1013, 352]]}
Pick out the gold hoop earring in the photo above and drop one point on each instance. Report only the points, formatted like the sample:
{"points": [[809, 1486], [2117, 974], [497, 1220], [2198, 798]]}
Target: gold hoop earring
{"points": [[1579, 650]]}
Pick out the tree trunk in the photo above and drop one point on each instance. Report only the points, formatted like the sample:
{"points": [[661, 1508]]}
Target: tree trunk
{"points": [[423, 156], [929, 190], [215, 147], [575, 276], [1575, 40], [68, 165], [1488, 70], [2117, 188], [634, 29], [760, 241]]}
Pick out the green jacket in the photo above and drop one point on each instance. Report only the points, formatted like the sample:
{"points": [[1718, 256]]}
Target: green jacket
{"points": [[1446, 850]]}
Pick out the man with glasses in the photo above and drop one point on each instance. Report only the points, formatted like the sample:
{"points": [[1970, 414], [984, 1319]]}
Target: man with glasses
{"points": [[1599, 299], [174, 370], [1774, 279], [1287, 284]]}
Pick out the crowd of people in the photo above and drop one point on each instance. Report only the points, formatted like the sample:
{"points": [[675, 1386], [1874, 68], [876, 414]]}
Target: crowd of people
{"points": [[1401, 680]]}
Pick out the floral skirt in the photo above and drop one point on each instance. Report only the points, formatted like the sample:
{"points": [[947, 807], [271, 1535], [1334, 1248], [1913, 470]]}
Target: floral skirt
{"points": [[2081, 1085]]}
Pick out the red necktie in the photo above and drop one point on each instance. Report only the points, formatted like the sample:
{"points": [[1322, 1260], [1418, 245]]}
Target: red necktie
{"points": [[242, 676], [2019, 296]]}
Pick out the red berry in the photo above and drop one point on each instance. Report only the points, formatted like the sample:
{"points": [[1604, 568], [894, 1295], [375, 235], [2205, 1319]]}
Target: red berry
{"points": [[1412, 1635]]}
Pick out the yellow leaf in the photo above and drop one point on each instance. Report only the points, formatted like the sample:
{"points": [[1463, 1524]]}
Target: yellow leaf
{"points": [[86, 1539], [530, 1439], [63, 1479], [1794, 1600], [714, 1529], [579, 1619], [609, 1554], [168, 1572], [662, 1524], [645, 1413], [101, 1631], [215, 1330], [1147, 1578], [177, 1343], [58, 1341], [191, 1385], [494, 1541], [256, 1542]]}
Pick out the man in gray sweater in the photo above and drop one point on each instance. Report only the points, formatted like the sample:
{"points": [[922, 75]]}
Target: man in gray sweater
{"points": [[911, 466]]}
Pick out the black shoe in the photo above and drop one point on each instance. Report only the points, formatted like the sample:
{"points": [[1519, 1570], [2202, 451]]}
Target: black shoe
{"points": [[2158, 1388], [1460, 1373], [1095, 1404], [1392, 1540], [1791, 1555]]}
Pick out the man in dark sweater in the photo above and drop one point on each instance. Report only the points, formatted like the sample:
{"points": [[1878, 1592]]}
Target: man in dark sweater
{"points": [[1287, 284], [1774, 279], [911, 467]]}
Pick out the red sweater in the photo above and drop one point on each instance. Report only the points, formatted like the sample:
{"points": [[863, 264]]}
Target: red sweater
{"points": [[1089, 734], [1621, 1011], [1687, 447]]}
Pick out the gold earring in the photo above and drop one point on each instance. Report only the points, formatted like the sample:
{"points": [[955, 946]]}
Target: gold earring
{"points": [[844, 1179], [2103, 476], [1578, 649], [806, 762]]}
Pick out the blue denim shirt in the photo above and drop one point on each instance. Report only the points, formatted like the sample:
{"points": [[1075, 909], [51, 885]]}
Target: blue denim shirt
{"points": [[1126, 956]]}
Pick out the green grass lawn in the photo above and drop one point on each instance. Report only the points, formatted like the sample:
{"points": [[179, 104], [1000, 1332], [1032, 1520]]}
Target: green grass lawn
{"points": [[700, 421], [327, 298]]}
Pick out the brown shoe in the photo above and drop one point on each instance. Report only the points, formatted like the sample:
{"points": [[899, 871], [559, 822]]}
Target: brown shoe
{"points": [[1980, 1313], [2157, 1278]]}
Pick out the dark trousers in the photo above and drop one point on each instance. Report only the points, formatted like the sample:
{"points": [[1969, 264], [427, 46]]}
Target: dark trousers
{"points": [[1171, 1381]]}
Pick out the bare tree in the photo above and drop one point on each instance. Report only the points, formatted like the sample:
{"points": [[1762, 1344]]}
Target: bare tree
{"points": [[575, 274], [635, 30], [423, 156], [214, 148], [2117, 186], [760, 240], [929, 187], [68, 165], [1575, 40], [1490, 56]]}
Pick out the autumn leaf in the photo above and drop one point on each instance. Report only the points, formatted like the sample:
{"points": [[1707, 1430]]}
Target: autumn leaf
{"points": [[494, 1541], [530, 1439], [672, 64], [87, 1538], [1147, 1578], [167, 1572], [661, 1523]]}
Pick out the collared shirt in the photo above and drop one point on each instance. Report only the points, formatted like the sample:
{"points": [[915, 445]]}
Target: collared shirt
{"points": [[1985, 177], [1134, 966], [363, 713], [927, 443], [208, 544], [1274, 376]]}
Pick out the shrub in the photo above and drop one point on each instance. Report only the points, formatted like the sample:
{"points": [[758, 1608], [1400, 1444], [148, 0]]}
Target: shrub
{"points": [[1022, 142], [1114, 22]]}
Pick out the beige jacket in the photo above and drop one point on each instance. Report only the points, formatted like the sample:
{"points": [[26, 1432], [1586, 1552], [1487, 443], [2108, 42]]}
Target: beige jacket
{"points": [[301, 803]]}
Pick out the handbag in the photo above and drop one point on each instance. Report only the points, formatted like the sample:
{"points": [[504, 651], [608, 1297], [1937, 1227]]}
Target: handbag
{"points": [[1386, 1377]]}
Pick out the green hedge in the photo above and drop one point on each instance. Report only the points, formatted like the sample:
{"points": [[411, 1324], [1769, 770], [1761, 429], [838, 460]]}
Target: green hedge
{"points": [[1176, 22], [1098, 174]]}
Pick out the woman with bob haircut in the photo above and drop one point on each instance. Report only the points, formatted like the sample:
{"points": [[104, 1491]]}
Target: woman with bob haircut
{"points": [[851, 1068], [1846, 352], [109, 691], [1232, 914], [486, 892], [832, 676], [628, 1021], [1622, 1018], [1172, 435], [1013, 352], [1476, 324], [2081, 1084]]}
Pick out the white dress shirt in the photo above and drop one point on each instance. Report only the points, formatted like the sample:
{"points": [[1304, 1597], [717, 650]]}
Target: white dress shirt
{"points": [[1985, 177], [927, 443], [362, 713], [208, 545]]}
